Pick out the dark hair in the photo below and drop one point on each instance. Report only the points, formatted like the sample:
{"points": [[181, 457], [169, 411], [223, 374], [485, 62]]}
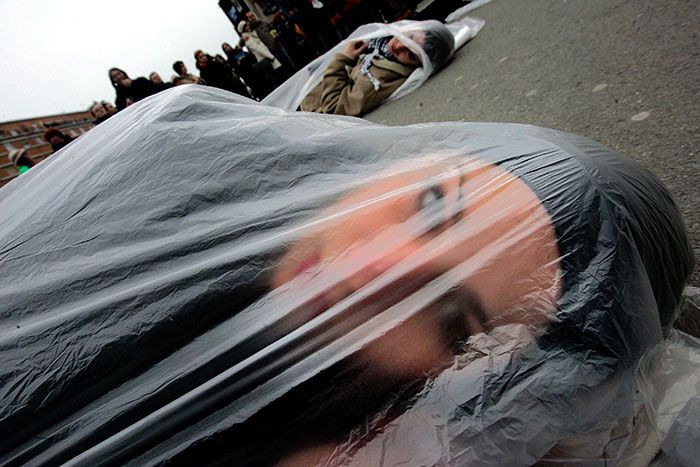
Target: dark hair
{"points": [[177, 66], [94, 103], [51, 132], [202, 53], [109, 73], [25, 160], [120, 99], [439, 42]]}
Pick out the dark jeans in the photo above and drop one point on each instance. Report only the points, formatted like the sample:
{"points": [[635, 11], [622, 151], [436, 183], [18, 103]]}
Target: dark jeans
{"points": [[281, 54]]}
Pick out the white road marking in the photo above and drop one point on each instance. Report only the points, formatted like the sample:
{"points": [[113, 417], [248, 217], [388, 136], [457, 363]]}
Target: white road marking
{"points": [[640, 116]]}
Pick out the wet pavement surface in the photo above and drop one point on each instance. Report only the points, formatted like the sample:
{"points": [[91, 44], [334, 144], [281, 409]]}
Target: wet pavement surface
{"points": [[622, 72]]}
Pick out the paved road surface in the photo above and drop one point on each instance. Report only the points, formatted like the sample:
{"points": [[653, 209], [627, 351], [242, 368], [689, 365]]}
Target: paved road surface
{"points": [[622, 72]]}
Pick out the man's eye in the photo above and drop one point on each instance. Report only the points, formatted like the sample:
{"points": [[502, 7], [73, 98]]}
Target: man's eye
{"points": [[431, 204], [431, 197]]}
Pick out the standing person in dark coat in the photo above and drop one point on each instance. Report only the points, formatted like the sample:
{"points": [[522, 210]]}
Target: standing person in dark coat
{"points": [[56, 138], [20, 160], [218, 75], [130, 90], [240, 60], [158, 81], [267, 63], [248, 68], [115, 75], [293, 39], [100, 112], [220, 58], [269, 36], [182, 73], [314, 22]]}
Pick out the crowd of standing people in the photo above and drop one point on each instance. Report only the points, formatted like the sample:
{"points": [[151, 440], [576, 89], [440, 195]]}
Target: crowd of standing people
{"points": [[253, 67], [265, 56], [268, 52]]}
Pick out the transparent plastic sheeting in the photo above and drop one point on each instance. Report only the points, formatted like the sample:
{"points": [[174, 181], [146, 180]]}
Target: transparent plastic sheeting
{"points": [[203, 279], [292, 92]]}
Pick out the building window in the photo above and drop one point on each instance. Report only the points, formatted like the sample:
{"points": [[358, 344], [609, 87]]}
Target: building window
{"points": [[9, 147]]}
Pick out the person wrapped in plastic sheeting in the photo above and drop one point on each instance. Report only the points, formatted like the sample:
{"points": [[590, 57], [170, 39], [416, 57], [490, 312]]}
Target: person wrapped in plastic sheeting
{"points": [[377, 63], [364, 74], [287, 288]]}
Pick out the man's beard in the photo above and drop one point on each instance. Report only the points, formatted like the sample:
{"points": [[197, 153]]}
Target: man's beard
{"points": [[354, 399]]}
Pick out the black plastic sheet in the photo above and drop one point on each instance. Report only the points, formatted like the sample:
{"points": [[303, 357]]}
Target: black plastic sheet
{"points": [[203, 279]]}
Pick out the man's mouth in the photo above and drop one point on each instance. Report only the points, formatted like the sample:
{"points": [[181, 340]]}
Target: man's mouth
{"points": [[308, 266]]}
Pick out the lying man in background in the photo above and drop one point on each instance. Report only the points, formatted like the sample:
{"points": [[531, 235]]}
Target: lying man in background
{"points": [[364, 74]]}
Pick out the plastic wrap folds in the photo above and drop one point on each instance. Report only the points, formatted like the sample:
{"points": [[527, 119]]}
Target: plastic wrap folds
{"points": [[207, 280]]}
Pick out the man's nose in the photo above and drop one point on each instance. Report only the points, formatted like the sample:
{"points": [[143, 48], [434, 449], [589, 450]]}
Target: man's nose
{"points": [[379, 259]]}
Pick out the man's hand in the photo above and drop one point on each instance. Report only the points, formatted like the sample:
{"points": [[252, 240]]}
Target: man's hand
{"points": [[354, 49]]}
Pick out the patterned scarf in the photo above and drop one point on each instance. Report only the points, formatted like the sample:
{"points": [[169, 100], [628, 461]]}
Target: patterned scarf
{"points": [[378, 47]]}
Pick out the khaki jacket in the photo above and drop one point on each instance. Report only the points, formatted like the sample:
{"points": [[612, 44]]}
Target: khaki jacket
{"points": [[344, 90]]}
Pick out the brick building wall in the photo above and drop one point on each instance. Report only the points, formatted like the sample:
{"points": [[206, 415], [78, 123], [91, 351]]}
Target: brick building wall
{"points": [[28, 134]]}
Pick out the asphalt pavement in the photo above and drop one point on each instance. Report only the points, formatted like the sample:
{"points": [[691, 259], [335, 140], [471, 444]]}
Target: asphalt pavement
{"points": [[622, 72]]}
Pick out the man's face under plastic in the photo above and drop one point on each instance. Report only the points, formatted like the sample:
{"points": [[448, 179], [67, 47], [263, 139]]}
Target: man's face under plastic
{"points": [[401, 51], [471, 240]]}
